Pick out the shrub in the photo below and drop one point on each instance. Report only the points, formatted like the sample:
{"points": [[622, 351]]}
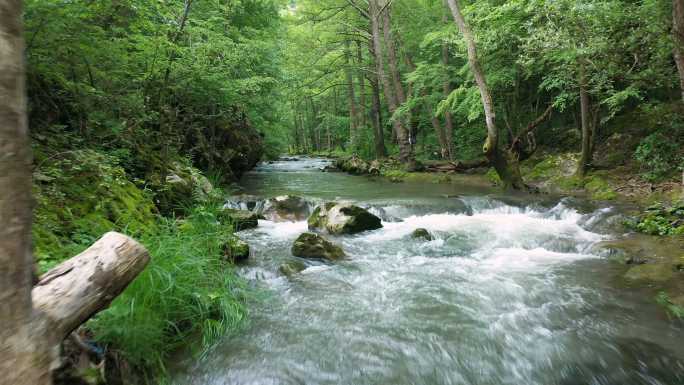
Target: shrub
{"points": [[659, 157]]}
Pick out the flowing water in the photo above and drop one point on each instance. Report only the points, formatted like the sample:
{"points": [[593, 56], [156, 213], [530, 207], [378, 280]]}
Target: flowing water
{"points": [[509, 291]]}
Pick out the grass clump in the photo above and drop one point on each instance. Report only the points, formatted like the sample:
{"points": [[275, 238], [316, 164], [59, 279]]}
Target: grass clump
{"points": [[672, 308], [187, 292]]}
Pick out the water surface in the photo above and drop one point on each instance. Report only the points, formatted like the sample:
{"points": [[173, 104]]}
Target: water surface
{"points": [[508, 292]]}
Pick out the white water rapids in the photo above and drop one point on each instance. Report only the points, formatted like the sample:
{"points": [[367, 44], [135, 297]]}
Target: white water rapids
{"points": [[504, 294]]}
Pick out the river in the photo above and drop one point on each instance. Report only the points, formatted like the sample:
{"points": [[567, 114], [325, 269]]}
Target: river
{"points": [[510, 291]]}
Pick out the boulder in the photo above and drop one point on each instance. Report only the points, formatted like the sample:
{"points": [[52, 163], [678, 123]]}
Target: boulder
{"points": [[240, 219], [292, 267], [375, 167], [353, 165], [342, 218], [286, 208], [311, 245], [244, 202], [235, 250], [421, 234]]}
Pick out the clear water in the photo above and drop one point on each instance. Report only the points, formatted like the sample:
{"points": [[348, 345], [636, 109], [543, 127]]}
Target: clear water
{"points": [[508, 292]]}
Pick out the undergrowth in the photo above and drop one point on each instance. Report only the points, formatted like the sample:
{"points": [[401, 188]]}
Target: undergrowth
{"points": [[186, 293]]}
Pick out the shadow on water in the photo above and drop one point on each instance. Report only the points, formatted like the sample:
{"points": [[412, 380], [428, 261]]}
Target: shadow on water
{"points": [[507, 292]]}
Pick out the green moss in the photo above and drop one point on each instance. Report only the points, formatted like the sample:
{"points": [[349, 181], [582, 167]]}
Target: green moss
{"points": [[493, 177], [598, 188], [395, 175], [544, 170], [78, 199]]}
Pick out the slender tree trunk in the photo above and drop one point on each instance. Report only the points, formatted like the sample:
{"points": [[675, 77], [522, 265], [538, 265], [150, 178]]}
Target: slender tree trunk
{"points": [[376, 111], [448, 119], [400, 130], [351, 97], [678, 39], [585, 157], [363, 114], [24, 351], [406, 138], [505, 162]]}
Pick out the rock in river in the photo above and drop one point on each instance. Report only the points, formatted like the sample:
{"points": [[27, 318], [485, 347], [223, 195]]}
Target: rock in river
{"points": [[235, 250], [342, 218], [311, 245], [286, 208], [292, 267], [421, 234], [240, 219]]}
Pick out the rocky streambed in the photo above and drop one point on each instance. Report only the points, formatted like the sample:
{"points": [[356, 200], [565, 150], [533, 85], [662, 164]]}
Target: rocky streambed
{"points": [[372, 282]]}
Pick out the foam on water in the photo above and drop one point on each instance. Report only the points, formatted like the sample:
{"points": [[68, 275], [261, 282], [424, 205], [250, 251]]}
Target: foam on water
{"points": [[504, 294]]}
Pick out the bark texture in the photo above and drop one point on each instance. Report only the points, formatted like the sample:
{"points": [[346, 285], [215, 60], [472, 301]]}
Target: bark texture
{"points": [[448, 118], [72, 292], [585, 157], [351, 97], [376, 114], [400, 130], [505, 162], [25, 358]]}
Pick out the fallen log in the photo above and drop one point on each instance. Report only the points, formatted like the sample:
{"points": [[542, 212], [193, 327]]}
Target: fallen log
{"points": [[71, 293], [458, 166]]}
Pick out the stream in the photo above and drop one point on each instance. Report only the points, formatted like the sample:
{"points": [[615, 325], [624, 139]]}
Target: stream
{"points": [[510, 291]]}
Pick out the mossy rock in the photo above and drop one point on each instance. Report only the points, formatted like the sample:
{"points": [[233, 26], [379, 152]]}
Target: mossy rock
{"points": [[599, 189], [311, 245], [236, 250], [286, 208], [239, 219], [421, 234], [292, 267], [342, 218]]}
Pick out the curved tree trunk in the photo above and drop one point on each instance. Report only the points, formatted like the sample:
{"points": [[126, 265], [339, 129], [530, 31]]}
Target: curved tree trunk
{"points": [[505, 163]]}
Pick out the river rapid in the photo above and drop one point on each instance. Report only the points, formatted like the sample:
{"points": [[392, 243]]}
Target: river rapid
{"points": [[509, 291]]}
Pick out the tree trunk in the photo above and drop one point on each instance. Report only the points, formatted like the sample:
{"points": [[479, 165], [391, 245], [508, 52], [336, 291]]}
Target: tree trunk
{"points": [[404, 136], [505, 163], [25, 357], [400, 130], [678, 39], [351, 97], [478, 73], [448, 119], [376, 112], [585, 157], [363, 114]]}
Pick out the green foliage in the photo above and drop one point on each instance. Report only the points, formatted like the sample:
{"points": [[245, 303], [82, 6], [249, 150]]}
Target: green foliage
{"points": [[660, 156], [661, 219], [186, 292], [673, 309], [79, 196]]}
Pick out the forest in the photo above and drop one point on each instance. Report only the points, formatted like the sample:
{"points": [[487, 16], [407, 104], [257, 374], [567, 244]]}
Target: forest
{"points": [[162, 120]]}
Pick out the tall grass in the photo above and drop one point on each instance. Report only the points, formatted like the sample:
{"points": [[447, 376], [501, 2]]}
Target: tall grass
{"points": [[186, 293]]}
